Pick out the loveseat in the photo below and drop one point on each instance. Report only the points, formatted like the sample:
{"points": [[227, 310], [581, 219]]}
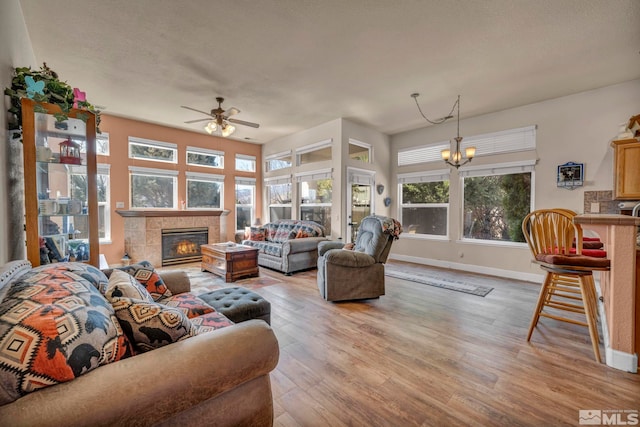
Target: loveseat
{"points": [[287, 245], [218, 376]]}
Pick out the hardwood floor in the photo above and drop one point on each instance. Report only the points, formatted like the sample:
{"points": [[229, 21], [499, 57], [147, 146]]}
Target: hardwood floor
{"points": [[426, 356]]}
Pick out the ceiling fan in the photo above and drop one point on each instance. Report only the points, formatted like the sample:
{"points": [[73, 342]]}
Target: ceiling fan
{"points": [[221, 119]]}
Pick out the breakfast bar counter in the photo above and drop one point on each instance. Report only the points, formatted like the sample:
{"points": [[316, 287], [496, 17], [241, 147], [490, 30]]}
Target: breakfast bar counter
{"points": [[619, 288]]}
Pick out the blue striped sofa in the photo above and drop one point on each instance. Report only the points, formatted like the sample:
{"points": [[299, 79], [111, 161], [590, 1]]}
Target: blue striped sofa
{"points": [[287, 245]]}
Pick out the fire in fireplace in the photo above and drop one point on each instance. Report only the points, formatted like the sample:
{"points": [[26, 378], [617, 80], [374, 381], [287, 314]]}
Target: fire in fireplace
{"points": [[182, 245]]}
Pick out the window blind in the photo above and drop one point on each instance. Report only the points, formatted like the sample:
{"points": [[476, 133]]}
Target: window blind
{"points": [[245, 181], [205, 176], [199, 150], [427, 176], [278, 180], [314, 175], [498, 169], [314, 147], [151, 171], [426, 154], [136, 140]]}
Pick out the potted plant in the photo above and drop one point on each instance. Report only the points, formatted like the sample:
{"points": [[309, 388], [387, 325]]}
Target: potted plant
{"points": [[43, 85]]}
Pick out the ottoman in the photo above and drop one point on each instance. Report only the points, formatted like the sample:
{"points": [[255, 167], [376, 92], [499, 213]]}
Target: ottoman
{"points": [[238, 304]]}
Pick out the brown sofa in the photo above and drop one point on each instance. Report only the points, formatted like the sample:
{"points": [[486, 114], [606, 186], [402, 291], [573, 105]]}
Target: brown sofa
{"points": [[218, 378]]}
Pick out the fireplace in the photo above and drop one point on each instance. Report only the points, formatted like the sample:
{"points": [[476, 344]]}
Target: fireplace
{"points": [[182, 245]]}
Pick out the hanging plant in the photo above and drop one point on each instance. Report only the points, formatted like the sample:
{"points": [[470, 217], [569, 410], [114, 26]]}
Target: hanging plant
{"points": [[44, 86]]}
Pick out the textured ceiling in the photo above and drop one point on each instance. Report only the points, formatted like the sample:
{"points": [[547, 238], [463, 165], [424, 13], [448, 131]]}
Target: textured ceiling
{"points": [[294, 64]]}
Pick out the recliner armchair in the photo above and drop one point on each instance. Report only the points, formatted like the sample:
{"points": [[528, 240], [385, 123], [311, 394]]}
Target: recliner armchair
{"points": [[358, 273]]}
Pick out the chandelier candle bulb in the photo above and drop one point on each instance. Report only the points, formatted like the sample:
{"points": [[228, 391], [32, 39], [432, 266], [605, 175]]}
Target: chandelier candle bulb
{"points": [[470, 152], [446, 154]]}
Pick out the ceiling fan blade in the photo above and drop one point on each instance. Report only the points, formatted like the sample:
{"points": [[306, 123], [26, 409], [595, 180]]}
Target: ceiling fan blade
{"points": [[242, 122], [197, 111], [231, 112], [199, 120]]}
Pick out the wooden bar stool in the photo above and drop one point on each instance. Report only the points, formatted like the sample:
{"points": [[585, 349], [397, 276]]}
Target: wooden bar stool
{"points": [[556, 244]]}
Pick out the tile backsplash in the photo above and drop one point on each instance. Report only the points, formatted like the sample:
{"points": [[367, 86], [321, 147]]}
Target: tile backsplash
{"points": [[604, 199]]}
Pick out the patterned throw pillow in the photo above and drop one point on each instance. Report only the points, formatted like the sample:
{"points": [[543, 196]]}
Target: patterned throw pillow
{"points": [[188, 303], [151, 325], [257, 234], [54, 326], [122, 284], [210, 322], [149, 278]]}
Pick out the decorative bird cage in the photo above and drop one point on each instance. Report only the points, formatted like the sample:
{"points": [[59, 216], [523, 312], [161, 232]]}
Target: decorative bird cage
{"points": [[70, 152]]}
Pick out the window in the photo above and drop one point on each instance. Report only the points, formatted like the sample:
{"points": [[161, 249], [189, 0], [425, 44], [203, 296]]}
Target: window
{"points": [[279, 197], [155, 151], [245, 202], [278, 161], [359, 151], [78, 190], [245, 163], [153, 188], [496, 200], [314, 153], [507, 141], [204, 191], [424, 202], [206, 158], [315, 194], [102, 144]]}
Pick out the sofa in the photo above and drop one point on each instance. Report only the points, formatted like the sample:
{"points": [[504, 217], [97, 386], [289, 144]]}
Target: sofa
{"points": [[217, 374], [287, 245]]}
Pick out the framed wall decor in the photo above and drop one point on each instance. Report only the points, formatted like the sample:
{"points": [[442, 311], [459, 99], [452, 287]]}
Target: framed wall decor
{"points": [[570, 175]]}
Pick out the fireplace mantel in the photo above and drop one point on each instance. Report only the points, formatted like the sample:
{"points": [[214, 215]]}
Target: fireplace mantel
{"points": [[143, 229], [162, 213]]}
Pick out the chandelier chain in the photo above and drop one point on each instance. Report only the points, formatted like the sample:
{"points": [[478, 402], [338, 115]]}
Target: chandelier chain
{"points": [[443, 119]]}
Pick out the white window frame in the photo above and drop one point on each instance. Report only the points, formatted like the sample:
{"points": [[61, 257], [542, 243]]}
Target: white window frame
{"points": [[105, 169], [327, 143], [278, 180], [418, 177], [506, 168], [248, 158], [316, 175], [204, 177], [154, 144], [164, 173], [246, 182], [104, 136], [282, 156], [204, 152], [102, 169], [361, 144]]}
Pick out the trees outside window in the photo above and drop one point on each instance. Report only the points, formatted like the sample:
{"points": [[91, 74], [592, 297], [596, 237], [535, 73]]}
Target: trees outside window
{"points": [[425, 207], [495, 205]]}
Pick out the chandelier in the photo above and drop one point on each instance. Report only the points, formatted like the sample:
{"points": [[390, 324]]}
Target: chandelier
{"points": [[224, 127], [455, 159]]}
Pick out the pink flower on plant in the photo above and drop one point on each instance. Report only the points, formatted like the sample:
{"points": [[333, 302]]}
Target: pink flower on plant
{"points": [[78, 96]]}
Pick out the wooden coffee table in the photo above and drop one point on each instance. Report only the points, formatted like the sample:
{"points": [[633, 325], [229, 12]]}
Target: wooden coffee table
{"points": [[231, 261]]}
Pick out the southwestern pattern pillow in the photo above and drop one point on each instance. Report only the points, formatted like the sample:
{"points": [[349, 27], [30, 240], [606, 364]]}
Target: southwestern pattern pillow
{"points": [[257, 234], [122, 284], [210, 322], [151, 325], [188, 303], [55, 326], [149, 278]]}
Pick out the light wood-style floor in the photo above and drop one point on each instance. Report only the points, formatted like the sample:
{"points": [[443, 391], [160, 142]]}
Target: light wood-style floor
{"points": [[425, 356]]}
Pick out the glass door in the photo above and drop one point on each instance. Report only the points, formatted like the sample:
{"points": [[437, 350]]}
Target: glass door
{"points": [[360, 207]]}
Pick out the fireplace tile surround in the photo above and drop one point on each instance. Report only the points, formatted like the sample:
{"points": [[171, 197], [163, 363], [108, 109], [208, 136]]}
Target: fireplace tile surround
{"points": [[143, 229]]}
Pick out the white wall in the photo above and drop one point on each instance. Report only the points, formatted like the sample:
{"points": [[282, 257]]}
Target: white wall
{"points": [[575, 128], [15, 51], [339, 131]]}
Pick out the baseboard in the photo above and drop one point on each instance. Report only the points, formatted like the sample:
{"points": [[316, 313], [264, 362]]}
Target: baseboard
{"points": [[507, 274], [614, 358]]}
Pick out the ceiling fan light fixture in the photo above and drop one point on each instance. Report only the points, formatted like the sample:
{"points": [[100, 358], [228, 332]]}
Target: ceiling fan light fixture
{"points": [[227, 129], [211, 127]]}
